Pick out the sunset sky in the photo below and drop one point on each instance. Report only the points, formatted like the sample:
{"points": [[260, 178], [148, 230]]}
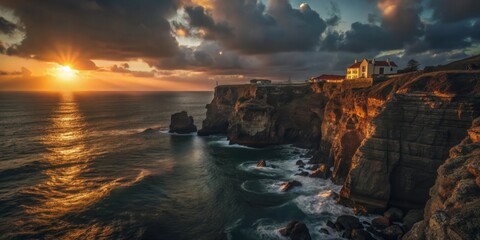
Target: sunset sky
{"points": [[192, 44]]}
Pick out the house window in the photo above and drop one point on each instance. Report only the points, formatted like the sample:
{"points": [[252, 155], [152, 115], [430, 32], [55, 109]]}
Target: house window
{"points": [[364, 68], [382, 70], [391, 69]]}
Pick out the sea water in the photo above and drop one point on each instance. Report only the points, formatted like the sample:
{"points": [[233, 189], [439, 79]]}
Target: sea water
{"points": [[80, 166]]}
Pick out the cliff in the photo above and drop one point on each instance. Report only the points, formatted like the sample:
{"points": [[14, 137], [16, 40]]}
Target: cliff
{"points": [[409, 138], [453, 211], [261, 115], [385, 141]]}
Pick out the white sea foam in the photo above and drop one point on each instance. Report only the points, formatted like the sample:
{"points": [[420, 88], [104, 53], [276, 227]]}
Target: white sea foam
{"points": [[315, 198], [178, 134], [225, 143]]}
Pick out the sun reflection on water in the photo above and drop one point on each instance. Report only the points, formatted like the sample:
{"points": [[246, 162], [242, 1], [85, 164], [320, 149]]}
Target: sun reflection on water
{"points": [[66, 189]]}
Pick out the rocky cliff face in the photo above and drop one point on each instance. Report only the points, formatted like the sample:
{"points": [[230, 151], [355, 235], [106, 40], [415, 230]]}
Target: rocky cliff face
{"points": [[385, 142], [453, 211], [258, 116], [410, 138]]}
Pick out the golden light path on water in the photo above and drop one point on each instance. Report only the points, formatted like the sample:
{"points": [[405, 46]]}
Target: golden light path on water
{"points": [[66, 190]]}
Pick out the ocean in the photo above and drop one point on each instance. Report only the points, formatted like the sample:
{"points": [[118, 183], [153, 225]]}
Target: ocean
{"points": [[80, 166]]}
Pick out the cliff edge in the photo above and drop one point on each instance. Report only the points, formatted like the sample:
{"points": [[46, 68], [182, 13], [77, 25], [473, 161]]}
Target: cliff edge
{"points": [[385, 142]]}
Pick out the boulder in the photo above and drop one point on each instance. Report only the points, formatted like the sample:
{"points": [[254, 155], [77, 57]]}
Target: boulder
{"points": [[300, 232], [413, 216], [296, 231], [321, 172], [394, 214], [360, 234], [393, 232], [380, 222], [288, 229], [261, 163], [289, 185], [300, 163], [182, 123], [348, 222]]}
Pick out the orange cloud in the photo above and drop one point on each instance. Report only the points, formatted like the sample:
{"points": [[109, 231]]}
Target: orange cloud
{"points": [[207, 4]]}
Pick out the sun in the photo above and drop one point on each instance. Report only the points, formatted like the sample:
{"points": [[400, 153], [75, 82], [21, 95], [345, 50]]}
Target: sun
{"points": [[65, 72]]}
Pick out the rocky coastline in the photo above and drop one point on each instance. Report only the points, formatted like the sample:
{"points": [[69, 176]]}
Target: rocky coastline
{"points": [[384, 143]]}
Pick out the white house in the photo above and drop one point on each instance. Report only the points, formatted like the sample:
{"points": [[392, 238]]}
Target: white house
{"points": [[366, 68]]}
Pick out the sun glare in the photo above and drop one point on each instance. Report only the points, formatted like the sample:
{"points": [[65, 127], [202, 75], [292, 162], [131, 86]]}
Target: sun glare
{"points": [[65, 73]]}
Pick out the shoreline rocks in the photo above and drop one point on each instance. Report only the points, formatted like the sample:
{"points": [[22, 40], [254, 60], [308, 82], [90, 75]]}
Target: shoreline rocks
{"points": [[296, 230], [181, 123], [289, 185], [261, 164]]}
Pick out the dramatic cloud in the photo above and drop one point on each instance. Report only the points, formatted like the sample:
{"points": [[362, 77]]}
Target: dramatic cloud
{"points": [[455, 10], [71, 30], [6, 26], [401, 18], [250, 27], [238, 38]]}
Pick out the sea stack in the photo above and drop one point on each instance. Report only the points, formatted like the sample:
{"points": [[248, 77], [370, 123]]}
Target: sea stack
{"points": [[182, 123]]}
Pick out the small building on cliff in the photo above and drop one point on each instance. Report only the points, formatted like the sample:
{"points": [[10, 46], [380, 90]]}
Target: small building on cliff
{"points": [[327, 78], [369, 68], [261, 81]]}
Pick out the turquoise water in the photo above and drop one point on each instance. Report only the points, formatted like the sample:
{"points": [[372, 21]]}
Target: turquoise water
{"points": [[78, 166]]}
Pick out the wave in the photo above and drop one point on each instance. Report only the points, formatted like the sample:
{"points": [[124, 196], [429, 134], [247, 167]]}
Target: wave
{"points": [[178, 134], [226, 144], [316, 198]]}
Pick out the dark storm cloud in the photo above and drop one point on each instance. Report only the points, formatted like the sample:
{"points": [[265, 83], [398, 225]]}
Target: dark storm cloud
{"points": [[209, 56], [57, 30], [6, 26], [398, 25], [402, 18], [360, 38], [450, 11], [446, 36], [256, 28], [198, 18]]}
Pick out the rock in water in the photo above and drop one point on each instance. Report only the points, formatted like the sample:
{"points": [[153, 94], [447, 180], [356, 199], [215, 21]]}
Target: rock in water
{"points": [[321, 172], [289, 185], [261, 163], [182, 123], [300, 163], [360, 234], [381, 222], [393, 232], [348, 222], [394, 214], [296, 231]]}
